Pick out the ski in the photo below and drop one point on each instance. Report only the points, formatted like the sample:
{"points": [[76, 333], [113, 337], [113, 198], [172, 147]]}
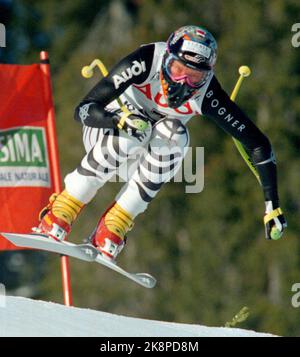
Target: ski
{"points": [[86, 252]]}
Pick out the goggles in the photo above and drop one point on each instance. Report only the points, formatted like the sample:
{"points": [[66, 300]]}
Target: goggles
{"points": [[178, 72]]}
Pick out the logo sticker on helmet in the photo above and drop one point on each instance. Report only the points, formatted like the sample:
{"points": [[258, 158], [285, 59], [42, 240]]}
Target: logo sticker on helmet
{"points": [[200, 32], [196, 47], [178, 34], [195, 59]]}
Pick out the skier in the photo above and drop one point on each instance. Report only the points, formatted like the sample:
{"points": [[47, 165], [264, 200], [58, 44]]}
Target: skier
{"points": [[163, 85]]}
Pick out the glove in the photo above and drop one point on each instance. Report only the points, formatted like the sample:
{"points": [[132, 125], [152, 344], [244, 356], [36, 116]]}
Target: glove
{"points": [[134, 125], [274, 221]]}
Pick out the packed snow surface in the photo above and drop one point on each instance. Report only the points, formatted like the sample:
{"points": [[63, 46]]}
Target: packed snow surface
{"points": [[25, 317]]}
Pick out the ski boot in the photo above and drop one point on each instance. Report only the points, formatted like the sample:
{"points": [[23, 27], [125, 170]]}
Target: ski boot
{"points": [[109, 236], [57, 217]]}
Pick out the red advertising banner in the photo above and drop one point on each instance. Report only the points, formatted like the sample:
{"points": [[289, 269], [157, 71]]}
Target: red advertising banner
{"points": [[29, 168]]}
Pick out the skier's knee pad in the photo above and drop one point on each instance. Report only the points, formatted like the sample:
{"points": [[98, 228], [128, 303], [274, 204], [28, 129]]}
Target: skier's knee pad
{"points": [[170, 133]]}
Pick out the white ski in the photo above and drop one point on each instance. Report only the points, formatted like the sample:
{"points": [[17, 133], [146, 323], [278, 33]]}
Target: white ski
{"points": [[85, 252]]}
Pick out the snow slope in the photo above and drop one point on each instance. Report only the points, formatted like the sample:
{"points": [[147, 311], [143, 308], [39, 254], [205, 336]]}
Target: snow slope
{"points": [[25, 317]]}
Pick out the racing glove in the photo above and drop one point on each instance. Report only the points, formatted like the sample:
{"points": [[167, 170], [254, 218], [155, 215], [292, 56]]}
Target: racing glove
{"points": [[274, 221], [133, 124]]}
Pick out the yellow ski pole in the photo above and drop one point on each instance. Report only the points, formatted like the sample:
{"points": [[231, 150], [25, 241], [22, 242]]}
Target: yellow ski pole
{"points": [[88, 72], [244, 72]]}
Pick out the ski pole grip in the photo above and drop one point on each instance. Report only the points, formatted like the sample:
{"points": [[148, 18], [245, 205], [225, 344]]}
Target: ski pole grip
{"points": [[244, 71], [88, 71]]}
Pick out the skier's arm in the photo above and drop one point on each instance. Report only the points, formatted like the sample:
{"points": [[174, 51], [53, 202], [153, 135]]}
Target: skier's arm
{"points": [[133, 69], [226, 114]]}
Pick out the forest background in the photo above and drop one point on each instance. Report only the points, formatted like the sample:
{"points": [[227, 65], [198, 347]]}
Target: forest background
{"points": [[208, 249]]}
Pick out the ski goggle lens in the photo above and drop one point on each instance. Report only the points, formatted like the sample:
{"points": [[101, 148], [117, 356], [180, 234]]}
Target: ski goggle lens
{"points": [[178, 72]]}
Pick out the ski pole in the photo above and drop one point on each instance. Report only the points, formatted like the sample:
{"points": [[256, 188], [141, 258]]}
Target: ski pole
{"points": [[88, 72], [244, 72]]}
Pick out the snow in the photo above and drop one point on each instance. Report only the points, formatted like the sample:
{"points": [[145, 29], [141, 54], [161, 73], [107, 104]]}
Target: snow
{"points": [[26, 317]]}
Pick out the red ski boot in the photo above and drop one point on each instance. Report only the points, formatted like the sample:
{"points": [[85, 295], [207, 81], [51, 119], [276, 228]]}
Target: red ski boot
{"points": [[109, 236], [57, 217]]}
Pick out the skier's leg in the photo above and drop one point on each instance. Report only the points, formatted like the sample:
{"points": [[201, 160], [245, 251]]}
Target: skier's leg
{"points": [[167, 147], [100, 164], [107, 150], [166, 150]]}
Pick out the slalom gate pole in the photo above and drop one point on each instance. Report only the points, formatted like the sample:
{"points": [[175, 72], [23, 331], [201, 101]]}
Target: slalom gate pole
{"points": [[45, 67]]}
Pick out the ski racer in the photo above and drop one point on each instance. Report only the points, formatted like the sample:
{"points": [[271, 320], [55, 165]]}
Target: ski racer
{"points": [[163, 85]]}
